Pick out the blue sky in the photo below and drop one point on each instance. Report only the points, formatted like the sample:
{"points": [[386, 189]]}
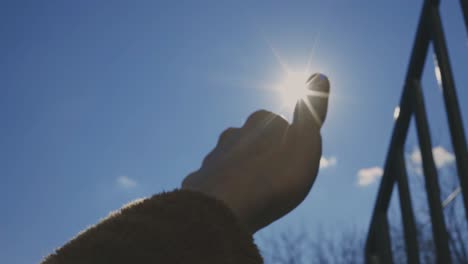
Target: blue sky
{"points": [[104, 102]]}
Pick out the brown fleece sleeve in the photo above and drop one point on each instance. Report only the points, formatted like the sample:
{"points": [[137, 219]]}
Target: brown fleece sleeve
{"points": [[175, 227]]}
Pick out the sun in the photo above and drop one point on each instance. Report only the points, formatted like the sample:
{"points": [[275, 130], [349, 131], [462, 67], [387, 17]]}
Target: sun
{"points": [[293, 88], [299, 85]]}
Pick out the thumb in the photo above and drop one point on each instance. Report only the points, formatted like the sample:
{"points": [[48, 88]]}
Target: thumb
{"points": [[310, 112]]}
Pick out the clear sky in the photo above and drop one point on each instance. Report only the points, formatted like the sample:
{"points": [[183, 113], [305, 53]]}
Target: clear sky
{"points": [[102, 102]]}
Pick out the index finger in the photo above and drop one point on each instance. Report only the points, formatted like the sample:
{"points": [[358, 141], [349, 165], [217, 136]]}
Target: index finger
{"points": [[310, 112]]}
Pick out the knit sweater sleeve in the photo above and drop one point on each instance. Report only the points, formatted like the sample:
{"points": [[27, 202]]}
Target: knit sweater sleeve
{"points": [[174, 227]]}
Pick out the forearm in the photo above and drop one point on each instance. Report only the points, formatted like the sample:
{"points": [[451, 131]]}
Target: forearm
{"points": [[174, 227]]}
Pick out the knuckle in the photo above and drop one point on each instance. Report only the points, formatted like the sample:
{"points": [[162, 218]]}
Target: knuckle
{"points": [[227, 133], [228, 136], [279, 122], [208, 158], [258, 116], [187, 182]]}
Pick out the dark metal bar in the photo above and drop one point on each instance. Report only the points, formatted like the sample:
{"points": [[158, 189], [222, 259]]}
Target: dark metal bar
{"points": [[370, 252], [421, 44], [386, 185], [439, 229], [378, 245], [464, 7], [409, 226], [381, 248], [451, 104], [415, 68], [384, 243]]}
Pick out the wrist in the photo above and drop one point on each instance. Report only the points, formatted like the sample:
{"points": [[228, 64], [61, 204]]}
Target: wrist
{"points": [[240, 217]]}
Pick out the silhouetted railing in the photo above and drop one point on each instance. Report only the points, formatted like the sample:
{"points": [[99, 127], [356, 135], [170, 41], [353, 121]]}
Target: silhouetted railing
{"points": [[378, 246]]}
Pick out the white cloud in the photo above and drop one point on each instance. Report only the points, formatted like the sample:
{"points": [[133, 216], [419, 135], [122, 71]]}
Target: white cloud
{"points": [[327, 162], [126, 182], [442, 158], [368, 176], [415, 156]]}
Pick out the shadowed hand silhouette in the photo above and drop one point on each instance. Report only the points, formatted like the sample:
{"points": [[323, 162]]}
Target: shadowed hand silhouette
{"points": [[266, 168]]}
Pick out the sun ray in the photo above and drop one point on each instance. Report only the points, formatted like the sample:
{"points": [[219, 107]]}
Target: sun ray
{"points": [[284, 66], [313, 112], [293, 85], [318, 94], [311, 54]]}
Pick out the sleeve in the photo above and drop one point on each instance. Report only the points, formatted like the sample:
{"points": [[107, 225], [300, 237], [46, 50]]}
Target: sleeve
{"points": [[175, 227]]}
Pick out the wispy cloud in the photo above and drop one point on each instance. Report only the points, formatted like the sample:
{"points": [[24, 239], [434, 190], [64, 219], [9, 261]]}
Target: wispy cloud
{"points": [[368, 176], [327, 162], [442, 158], [126, 182]]}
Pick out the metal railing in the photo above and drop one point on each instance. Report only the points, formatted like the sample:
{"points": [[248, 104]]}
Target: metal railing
{"points": [[378, 245]]}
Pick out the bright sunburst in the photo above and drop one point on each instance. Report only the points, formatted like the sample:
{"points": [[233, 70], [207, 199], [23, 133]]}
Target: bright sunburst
{"points": [[292, 88], [296, 86]]}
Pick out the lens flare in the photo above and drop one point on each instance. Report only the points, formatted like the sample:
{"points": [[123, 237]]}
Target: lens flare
{"points": [[293, 88]]}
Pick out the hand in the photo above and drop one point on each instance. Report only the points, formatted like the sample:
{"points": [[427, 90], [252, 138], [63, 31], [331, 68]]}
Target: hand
{"points": [[266, 168]]}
